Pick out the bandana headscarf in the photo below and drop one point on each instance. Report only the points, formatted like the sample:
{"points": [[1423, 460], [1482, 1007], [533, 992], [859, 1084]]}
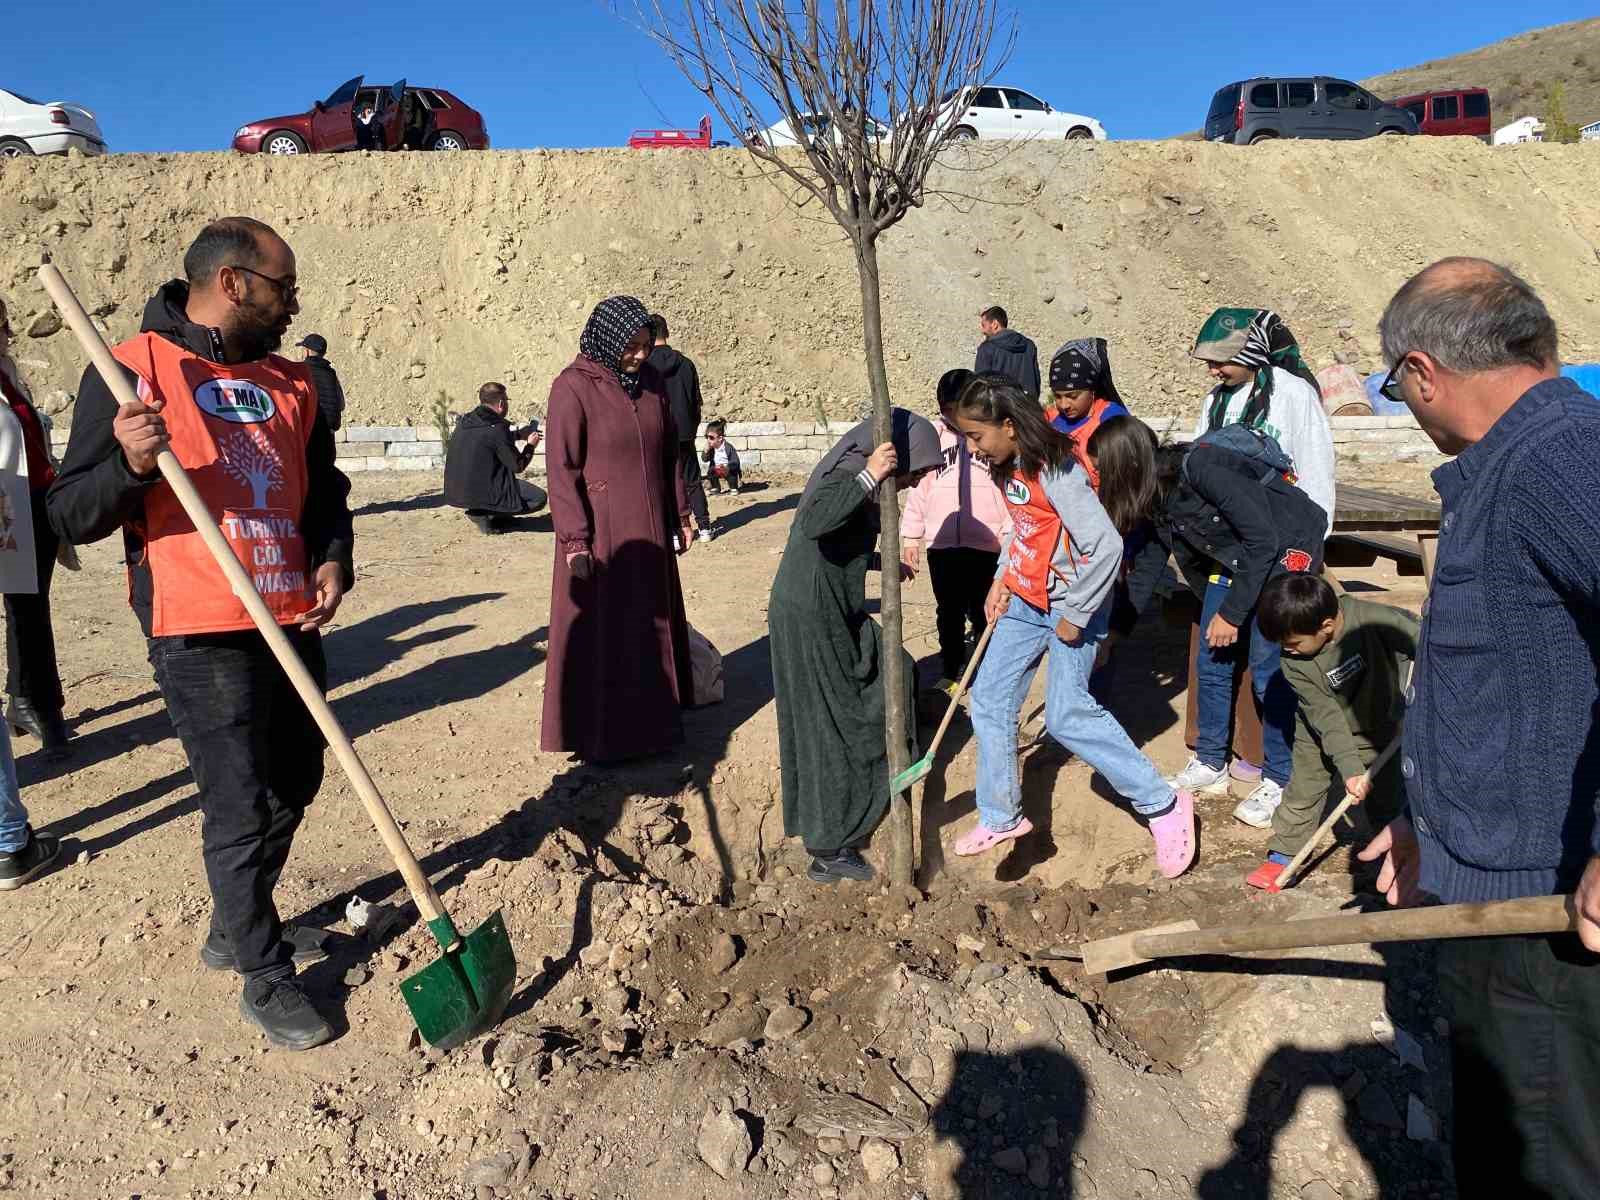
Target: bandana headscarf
{"points": [[916, 445], [611, 327], [1256, 338], [1084, 363]]}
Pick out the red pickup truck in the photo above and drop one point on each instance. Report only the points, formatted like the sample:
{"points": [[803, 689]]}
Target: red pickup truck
{"points": [[689, 139]]}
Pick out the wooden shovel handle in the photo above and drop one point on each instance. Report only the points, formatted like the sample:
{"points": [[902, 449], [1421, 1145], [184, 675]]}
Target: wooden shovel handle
{"points": [[1299, 860], [1537, 914], [961, 690], [427, 900]]}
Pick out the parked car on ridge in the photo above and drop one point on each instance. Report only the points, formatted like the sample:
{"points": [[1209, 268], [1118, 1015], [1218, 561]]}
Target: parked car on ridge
{"points": [[1008, 113], [410, 117], [28, 126], [1303, 106], [1453, 112], [815, 127]]}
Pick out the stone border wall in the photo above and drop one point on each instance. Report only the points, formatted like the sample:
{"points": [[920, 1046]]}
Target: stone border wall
{"points": [[793, 448]]}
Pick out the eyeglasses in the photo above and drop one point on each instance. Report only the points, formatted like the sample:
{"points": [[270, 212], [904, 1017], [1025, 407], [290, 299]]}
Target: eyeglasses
{"points": [[1389, 389], [289, 292]]}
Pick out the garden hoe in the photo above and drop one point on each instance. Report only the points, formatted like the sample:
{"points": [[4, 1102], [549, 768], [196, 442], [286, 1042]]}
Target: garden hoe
{"points": [[1536, 914], [466, 989]]}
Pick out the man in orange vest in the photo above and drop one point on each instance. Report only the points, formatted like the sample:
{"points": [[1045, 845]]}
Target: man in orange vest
{"points": [[245, 424]]}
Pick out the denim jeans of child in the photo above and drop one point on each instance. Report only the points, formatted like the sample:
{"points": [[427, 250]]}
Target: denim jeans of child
{"points": [[1023, 637], [13, 817], [1275, 698]]}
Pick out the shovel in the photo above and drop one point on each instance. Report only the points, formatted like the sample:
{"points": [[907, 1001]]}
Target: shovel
{"points": [[1536, 914], [918, 770], [465, 990]]}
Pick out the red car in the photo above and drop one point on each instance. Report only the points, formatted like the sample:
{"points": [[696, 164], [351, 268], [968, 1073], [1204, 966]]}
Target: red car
{"points": [[403, 117], [1455, 112]]}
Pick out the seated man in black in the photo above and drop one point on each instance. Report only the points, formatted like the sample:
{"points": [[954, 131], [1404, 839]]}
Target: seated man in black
{"points": [[483, 462]]}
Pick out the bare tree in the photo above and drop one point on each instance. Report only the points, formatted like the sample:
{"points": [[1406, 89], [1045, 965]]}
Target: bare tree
{"points": [[828, 66], [253, 464]]}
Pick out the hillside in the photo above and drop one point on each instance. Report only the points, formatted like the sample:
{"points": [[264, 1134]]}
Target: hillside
{"points": [[1516, 72], [437, 272]]}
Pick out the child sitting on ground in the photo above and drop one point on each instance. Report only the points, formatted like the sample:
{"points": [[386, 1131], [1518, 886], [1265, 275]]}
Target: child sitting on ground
{"points": [[721, 459], [1341, 656], [959, 515]]}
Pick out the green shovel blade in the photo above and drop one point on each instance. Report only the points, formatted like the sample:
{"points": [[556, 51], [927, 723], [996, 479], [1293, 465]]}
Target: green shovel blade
{"points": [[912, 774], [466, 989]]}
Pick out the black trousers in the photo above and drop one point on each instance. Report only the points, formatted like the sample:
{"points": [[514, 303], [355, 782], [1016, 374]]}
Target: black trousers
{"points": [[31, 671], [256, 755], [1525, 1052], [961, 581], [689, 462]]}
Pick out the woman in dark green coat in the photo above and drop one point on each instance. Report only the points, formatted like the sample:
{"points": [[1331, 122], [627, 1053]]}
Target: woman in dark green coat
{"points": [[827, 652]]}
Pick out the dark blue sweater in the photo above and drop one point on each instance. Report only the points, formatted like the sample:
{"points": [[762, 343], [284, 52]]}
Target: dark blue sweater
{"points": [[1502, 741]]}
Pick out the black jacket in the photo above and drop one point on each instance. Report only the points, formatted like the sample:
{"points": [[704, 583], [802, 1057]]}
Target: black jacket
{"points": [[330, 395], [708, 455], [481, 468], [1010, 354], [681, 382], [1223, 517], [96, 492]]}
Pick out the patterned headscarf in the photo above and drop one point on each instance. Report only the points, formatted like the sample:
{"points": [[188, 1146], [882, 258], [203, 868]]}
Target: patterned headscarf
{"points": [[1256, 338], [612, 325], [1084, 363]]}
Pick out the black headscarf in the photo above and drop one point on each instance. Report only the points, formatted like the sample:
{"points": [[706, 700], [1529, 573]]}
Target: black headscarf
{"points": [[612, 325], [1084, 363], [916, 446]]}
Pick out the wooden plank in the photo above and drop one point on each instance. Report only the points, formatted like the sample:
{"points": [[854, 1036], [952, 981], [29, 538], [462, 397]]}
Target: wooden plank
{"points": [[1348, 549], [1357, 506]]}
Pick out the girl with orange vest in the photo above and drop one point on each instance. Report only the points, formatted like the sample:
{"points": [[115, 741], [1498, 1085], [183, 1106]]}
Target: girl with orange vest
{"points": [[1084, 395], [1051, 598]]}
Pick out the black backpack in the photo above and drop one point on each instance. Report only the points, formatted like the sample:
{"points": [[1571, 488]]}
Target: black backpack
{"points": [[1261, 449]]}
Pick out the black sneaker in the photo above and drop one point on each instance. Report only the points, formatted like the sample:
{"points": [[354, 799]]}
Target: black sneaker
{"points": [[306, 940], [282, 1012], [847, 864], [35, 857]]}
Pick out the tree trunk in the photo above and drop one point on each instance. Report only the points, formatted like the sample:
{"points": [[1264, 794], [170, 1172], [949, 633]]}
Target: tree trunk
{"points": [[901, 858]]}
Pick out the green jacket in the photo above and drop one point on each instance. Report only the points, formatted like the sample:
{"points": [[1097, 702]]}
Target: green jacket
{"points": [[1351, 694]]}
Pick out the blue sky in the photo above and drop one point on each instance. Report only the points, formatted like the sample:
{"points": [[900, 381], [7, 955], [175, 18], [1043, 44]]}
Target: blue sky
{"points": [[183, 75]]}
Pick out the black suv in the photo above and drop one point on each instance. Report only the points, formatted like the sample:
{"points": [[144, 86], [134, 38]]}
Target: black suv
{"points": [[1315, 106]]}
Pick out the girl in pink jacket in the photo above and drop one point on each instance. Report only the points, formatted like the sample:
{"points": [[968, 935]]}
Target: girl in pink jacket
{"points": [[957, 514]]}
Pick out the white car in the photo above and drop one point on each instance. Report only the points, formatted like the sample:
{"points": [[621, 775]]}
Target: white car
{"points": [[29, 127], [1008, 113], [816, 127]]}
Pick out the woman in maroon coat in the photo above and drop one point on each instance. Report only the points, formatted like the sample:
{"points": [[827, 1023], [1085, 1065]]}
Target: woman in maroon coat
{"points": [[618, 671]]}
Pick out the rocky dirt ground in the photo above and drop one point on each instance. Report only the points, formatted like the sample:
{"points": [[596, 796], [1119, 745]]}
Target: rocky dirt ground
{"points": [[432, 273], [692, 1018]]}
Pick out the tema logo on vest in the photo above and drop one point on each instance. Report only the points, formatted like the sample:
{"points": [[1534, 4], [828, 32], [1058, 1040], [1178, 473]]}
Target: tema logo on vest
{"points": [[1017, 492], [236, 400]]}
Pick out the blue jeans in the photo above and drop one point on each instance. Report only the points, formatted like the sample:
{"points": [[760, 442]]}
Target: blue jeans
{"points": [[1073, 717], [13, 817], [1275, 698]]}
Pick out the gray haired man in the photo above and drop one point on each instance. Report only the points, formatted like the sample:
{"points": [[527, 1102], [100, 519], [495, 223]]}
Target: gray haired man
{"points": [[1502, 743]]}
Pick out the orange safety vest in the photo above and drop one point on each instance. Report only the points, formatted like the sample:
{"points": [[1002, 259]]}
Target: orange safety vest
{"points": [[1080, 436], [1036, 532], [240, 431]]}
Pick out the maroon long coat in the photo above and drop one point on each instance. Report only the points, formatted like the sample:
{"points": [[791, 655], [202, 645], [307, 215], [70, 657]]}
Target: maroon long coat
{"points": [[618, 670]]}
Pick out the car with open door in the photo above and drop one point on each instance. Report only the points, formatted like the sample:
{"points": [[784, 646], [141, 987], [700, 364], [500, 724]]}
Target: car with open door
{"points": [[995, 112], [404, 117], [28, 127]]}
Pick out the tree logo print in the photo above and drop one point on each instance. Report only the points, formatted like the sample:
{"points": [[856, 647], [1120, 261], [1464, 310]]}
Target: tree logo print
{"points": [[253, 463]]}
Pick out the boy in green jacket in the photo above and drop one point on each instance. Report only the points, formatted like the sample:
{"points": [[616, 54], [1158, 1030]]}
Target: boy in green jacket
{"points": [[1341, 656]]}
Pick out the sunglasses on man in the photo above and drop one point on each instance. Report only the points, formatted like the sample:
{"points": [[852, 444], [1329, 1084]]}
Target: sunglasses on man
{"points": [[1389, 389], [287, 290]]}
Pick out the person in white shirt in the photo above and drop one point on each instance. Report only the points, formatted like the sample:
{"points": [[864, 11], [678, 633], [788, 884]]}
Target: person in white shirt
{"points": [[1263, 383]]}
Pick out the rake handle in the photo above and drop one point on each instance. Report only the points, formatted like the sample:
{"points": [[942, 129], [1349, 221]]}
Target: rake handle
{"points": [[422, 891], [1537, 914], [961, 689]]}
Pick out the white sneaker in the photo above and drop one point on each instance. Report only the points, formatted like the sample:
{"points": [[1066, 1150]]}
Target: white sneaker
{"points": [[1200, 779], [1257, 808], [704, 535]]}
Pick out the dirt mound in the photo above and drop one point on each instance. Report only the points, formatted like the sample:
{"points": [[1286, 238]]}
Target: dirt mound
{"points": [[432, 273]]}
